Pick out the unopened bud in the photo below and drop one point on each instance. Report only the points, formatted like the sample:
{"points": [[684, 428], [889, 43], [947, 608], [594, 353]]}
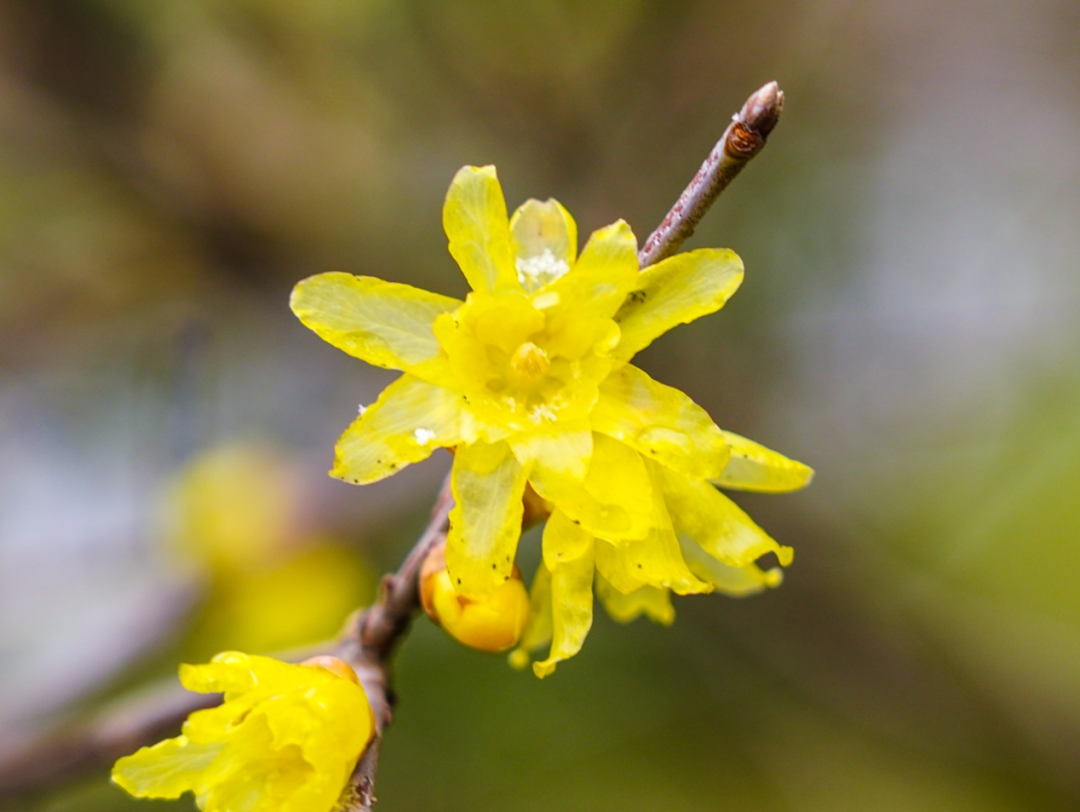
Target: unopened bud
{"points": [[334, 665], [491, 622]]}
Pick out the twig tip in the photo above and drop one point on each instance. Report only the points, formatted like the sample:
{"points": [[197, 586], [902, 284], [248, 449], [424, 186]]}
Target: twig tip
{"points": [[762, 110]]}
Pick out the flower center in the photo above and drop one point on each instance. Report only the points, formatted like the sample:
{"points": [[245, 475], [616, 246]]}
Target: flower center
{"points": [[519, 366], [528, 364]]}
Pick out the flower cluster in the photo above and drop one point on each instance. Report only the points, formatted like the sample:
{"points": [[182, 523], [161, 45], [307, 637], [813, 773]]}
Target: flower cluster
{"points": [[529, 381], [286, 738]]}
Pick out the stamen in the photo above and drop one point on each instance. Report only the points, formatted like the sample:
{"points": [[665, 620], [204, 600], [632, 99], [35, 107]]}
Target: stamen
{"points": [[528, 363]]}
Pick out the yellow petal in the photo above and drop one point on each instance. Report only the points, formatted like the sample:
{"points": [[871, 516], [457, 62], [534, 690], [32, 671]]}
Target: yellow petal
{"points": [[410, 419], [504, 321], [655, 560], [615, 500], [327, 721], [676, 291], [604, 274], [753, 467], [167, 770], [716, 523], [650, 601], [618, 490], [488, 485], [213, 724], [563, 450], [571, 595], [233, 672], [538, 629], [475, 221], [545, 242], [564, 540], [735, 581], [256, 777], [383, 323], [661, 422]]}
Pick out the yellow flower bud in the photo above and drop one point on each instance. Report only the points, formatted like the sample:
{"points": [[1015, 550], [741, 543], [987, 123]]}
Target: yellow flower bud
{"points": [[491, 622], [334, 665]]}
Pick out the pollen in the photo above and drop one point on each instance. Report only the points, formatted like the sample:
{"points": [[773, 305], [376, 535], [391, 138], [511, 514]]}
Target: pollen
{"points": [[542, 269], [528, 363]]}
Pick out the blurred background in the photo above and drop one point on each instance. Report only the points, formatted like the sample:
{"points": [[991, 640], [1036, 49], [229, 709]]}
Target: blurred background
{"points": [[907, 326]]}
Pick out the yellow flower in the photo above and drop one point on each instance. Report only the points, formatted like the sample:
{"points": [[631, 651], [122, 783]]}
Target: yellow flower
{"points": [[286, 739], [232, 506], [232, 515], [529, 381]]}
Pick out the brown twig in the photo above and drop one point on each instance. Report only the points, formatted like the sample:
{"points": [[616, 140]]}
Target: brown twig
{"points": [[94, 744], [371, 636], [742, 140], [370, 640]]}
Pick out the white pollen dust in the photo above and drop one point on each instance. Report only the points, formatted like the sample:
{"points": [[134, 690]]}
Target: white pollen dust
{"points": [[423, 436], [542, 412], [535, 272]]}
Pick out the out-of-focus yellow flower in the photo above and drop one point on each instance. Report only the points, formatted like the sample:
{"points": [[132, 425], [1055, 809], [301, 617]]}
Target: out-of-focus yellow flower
{"points": [[291, 599], [529, 381], [233, 512], [490, 622], [230, 507], [286, 739]]}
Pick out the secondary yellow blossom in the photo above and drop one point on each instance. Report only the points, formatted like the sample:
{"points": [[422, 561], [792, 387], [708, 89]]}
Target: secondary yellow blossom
{"points": [[271, 581], [232, 506], [529, 381], [285, 739]]}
